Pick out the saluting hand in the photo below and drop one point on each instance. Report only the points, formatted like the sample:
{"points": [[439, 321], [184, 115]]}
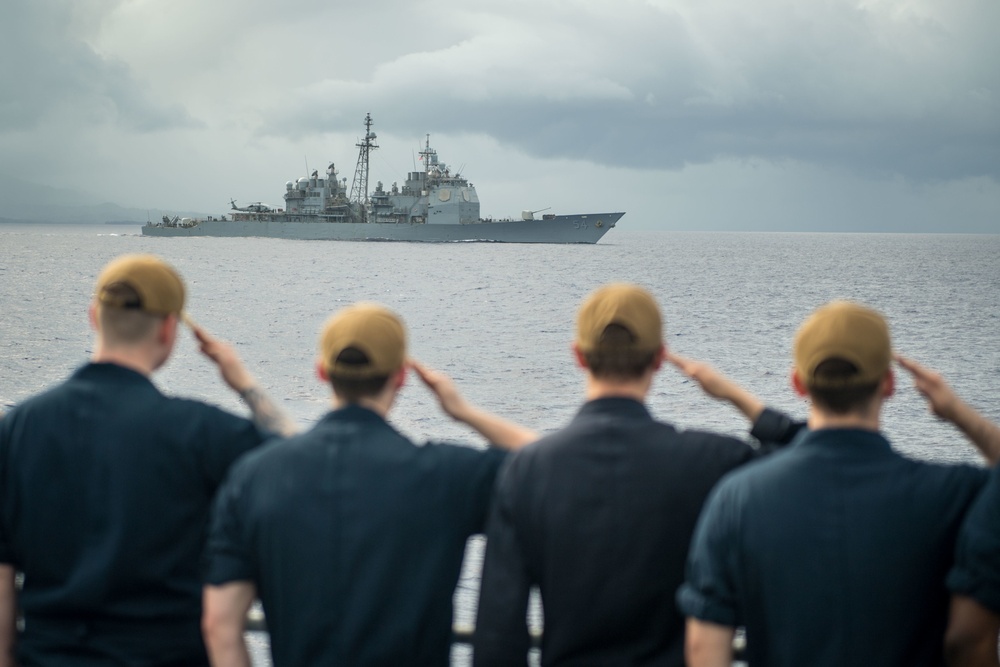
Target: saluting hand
{"points": [[711, 381], [941, 398], [499, 431], [947, 405], [224, 356], [452, 402], [717, 385]]}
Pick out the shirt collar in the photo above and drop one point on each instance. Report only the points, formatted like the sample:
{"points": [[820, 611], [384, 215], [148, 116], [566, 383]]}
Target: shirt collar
{"points": [[845, 439], [105, 369], [615, 405], [354, 412]]}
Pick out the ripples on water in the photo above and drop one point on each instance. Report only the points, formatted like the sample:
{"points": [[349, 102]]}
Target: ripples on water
{"points": [[499, 318]]}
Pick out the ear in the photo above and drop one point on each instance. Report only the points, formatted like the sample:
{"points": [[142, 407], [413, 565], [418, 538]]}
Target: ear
{"points": [[798, 385], [661, 356], [321, 373], [888, 384], [399, 380], [581, 361], [92, 315], [168, 330]]}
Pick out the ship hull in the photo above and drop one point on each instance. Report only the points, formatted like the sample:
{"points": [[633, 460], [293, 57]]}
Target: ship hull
{"points": [[587, 228]]}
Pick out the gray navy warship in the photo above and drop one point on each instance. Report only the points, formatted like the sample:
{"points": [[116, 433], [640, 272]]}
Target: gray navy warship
{"points": [[433, 205]]}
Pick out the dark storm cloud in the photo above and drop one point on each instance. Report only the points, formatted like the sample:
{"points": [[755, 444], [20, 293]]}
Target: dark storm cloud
{"points": [[771, 114], [49, 74], [873, 87]]}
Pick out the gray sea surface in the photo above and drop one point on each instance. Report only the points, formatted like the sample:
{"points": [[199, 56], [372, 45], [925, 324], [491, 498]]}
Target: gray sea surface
{"points": [[499, 318]]}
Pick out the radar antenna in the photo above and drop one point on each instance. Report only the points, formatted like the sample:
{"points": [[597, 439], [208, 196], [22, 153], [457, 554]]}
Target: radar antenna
{"points": [[359, 188], [425, 155]]}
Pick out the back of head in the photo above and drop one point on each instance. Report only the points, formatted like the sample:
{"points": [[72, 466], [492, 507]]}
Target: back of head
{"points": [[842, 352], [361, 346], [619, 331], [133, 295]]}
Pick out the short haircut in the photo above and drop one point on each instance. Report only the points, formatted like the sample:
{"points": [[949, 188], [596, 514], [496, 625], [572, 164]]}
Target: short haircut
{"points": [[615, 358], [128, 324], [353, 389], [835, 396]]}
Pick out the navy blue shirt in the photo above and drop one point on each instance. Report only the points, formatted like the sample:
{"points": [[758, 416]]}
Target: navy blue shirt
{"points": [[105, 492], [599, 516], [354, 537], [833, 552], [977, 561]]}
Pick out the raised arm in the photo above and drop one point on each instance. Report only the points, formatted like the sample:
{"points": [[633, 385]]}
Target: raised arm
{"points": [[266, 413], [945, 403], [8, 615], [718, 386], [771, 428], [499, 431]]}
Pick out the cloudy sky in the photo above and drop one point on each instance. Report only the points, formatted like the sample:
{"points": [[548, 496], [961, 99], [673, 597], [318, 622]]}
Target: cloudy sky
{"points": [[778, 115]]}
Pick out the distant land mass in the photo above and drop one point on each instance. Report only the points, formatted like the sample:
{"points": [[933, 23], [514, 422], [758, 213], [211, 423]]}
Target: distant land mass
{"points": [[24, 202]]}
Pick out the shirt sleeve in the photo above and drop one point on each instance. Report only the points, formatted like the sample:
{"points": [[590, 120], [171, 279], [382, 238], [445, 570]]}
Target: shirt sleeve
{"points": [[501, 637], [475, 484], [976, 573], [228, 554], [709, 592], [226, 439], [774, 429]]}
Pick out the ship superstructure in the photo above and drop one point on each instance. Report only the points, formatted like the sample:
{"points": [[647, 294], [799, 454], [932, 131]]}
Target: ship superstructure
{"points": [[431, 196], [433, 204]]}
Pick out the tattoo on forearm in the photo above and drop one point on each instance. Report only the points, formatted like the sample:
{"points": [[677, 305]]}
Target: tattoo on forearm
{"points": [[266, 415]]}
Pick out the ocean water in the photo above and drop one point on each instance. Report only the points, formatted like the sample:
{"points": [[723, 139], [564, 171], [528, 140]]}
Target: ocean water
{"points": [[499, 318]]}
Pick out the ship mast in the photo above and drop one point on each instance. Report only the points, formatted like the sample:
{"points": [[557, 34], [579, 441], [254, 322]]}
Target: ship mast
{"points": [[359, 188], [425, 154]]}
